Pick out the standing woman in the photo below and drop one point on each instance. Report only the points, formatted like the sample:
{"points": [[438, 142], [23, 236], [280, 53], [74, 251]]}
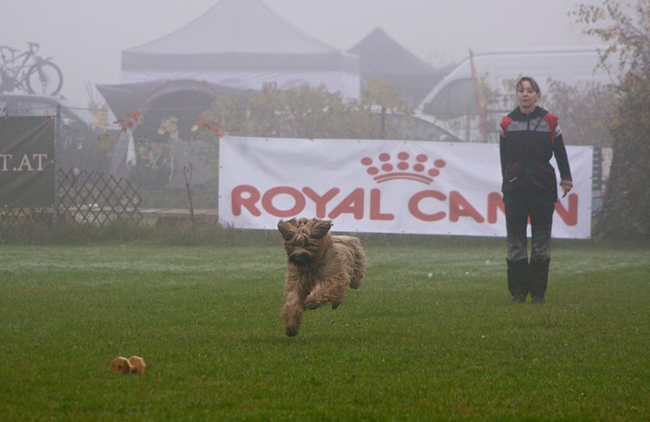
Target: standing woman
{"points": [[529, 137]]}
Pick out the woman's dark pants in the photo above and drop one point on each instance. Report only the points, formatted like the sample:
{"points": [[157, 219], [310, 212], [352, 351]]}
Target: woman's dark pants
{"points": [[524, 277]]}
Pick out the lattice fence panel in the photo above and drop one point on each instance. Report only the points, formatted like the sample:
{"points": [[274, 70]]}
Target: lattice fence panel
{"points": [[90, 199], [94, 199]]}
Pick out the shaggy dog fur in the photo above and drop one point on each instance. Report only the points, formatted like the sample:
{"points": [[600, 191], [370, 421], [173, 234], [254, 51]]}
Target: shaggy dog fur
{"points": [[320, 268]]}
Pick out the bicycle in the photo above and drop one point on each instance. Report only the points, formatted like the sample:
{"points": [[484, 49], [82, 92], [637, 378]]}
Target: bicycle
{"points": [[42, 77]]}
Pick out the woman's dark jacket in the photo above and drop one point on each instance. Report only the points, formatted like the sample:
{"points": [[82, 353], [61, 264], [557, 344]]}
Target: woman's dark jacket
{"points": [[527, 142]]}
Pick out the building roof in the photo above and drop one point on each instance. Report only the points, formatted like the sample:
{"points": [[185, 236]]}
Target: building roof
{"points": [[382, 57], [380, 54]]}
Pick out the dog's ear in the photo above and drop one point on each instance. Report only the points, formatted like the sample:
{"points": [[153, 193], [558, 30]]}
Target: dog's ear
{"points": [[286, 229], [320, 228]]}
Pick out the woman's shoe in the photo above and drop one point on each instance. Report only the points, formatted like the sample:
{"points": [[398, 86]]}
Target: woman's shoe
{"points": [[519, 298]]}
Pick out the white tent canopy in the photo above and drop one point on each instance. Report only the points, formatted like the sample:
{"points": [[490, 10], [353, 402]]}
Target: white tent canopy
{"points": [[243, 44]]}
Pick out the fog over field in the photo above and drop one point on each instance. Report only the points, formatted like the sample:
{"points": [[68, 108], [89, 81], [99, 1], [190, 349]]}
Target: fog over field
{"points": [[86, 37]]}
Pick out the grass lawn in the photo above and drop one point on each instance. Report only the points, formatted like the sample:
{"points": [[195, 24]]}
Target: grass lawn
{"points": [[430, 335]]}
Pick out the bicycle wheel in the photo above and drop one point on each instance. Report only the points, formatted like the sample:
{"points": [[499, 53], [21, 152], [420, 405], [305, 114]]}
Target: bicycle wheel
{"points": [[44, 78]]}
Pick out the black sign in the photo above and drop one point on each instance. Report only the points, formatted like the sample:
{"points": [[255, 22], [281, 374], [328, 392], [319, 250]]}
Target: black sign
{"points": [[27, 162]]}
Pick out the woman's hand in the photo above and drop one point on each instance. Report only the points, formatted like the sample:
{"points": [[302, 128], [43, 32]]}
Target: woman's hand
{"points": [[565, 190]]}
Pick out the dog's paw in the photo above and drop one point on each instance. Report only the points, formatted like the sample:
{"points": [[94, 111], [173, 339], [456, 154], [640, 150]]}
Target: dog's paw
{"points": [[335, 305], [312, 304], [291, 332]]}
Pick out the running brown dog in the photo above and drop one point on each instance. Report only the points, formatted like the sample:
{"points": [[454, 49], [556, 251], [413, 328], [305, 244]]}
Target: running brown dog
{"points": [[321, 266]]}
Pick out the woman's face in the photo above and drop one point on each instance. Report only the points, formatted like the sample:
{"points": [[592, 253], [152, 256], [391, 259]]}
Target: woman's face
{"points": [[526, 95]]}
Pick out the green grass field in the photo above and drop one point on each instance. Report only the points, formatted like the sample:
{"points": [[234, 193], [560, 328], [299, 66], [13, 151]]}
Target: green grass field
{"points": [[404, 347]]}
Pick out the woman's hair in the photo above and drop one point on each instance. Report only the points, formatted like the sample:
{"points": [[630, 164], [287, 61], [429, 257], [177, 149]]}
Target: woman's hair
{"points": [[532, 82]]}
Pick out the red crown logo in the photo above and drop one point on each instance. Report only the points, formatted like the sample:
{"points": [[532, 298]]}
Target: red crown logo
{"points": [[420, 169]]}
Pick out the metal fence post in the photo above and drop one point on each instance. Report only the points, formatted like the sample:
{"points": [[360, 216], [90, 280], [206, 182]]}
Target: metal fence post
{"points": [[57, 134]]}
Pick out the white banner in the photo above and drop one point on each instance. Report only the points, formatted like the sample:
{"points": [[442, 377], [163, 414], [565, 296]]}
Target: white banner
{"points": [[382, 186]]}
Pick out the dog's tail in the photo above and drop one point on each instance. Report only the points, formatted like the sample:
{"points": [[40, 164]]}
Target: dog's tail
{"points": [[359, 270]]}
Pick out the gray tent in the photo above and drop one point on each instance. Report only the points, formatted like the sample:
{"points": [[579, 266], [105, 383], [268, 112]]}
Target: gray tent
{"points": [[145, 96], [384, 58], [243, 44], [155, 101]]}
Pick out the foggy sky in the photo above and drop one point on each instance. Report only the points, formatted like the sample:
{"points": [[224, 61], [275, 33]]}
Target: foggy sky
{"points": [[86, 37]]}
